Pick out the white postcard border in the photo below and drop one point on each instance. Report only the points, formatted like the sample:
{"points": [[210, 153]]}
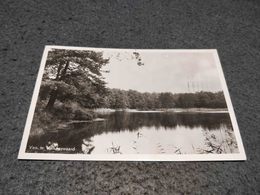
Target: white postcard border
{"points": [[131, 157]]}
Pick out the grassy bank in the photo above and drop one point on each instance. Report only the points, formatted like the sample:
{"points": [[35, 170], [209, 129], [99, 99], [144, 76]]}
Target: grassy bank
{"points": [[57, 118], [196, 110]]}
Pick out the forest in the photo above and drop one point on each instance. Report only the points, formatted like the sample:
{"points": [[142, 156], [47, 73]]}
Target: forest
{"points": [[121, 99], [73, 85]]}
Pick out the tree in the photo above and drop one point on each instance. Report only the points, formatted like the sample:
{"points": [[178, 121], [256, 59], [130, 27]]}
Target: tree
{"points": [[75, 74], [167, 100], [118, 99]]}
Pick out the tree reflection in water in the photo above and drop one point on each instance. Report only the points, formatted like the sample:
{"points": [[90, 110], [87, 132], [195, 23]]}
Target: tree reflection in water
{"points": [[79, 135]]}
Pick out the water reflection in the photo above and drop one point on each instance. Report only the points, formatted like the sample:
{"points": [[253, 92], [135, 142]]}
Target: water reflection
{"points": [[144, 133]]}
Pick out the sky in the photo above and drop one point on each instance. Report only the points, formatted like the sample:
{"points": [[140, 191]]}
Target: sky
{"points": [[163, 71]]}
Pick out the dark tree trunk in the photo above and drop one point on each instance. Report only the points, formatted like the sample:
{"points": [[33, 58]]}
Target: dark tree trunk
{"points": [[58, 72], [53, 97], [54, 92], [63, 74]]}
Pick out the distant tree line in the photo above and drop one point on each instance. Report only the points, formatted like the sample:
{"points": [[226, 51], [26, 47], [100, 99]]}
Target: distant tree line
{"points": [[132, 99]]}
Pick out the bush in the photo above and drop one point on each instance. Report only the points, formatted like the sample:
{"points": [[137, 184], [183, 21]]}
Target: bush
{"points": [[71, 110], [83, 115], [46, 120]]}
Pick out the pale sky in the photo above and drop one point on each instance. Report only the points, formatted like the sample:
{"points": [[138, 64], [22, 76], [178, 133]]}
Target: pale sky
{"points": [[163, 71]]}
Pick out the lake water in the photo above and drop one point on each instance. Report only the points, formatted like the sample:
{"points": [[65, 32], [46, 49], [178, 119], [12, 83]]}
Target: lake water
{"points": [[142, 133]]}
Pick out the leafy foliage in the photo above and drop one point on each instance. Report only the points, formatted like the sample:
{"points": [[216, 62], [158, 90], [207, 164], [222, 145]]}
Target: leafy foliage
{"points": [[74, 75]]}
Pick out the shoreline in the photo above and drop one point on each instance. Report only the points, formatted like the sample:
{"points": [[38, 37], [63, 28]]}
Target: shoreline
{"points": [[175, 110]]}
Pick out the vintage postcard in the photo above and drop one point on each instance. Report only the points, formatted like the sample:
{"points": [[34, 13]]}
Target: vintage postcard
{"points": [[131, 104]]}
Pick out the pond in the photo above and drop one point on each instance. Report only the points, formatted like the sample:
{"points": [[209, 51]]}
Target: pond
{"points": [[142, 133]]}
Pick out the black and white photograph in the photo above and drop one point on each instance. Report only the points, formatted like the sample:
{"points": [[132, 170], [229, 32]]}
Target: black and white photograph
{"points": [[131, 104]]}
